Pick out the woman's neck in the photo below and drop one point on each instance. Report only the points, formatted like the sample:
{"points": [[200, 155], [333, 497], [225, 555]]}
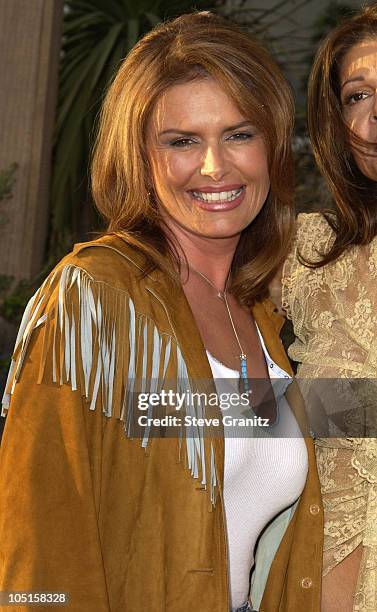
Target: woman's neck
{"points": [[210, 256]]}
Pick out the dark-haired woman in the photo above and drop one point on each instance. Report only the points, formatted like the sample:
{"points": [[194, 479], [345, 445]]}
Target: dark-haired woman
{"points": [[330, 293]]}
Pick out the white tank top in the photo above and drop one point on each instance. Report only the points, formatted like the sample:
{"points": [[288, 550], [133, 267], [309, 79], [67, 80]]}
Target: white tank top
{"points": [[263, 475]]}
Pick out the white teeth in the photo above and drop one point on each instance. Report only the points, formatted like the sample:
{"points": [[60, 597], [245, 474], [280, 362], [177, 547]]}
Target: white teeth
{"points": [[221, 196]]}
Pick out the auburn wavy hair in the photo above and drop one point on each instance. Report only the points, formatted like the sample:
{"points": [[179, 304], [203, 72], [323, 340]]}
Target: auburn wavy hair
{"points": [[355, 195], [194, 46]]}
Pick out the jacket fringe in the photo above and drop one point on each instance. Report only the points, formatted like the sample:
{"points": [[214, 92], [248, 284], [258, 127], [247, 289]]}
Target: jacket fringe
{"points": [[85, 323]]}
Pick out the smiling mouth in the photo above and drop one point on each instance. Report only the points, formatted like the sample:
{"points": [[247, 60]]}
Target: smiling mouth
{"points": [[220, 196]]}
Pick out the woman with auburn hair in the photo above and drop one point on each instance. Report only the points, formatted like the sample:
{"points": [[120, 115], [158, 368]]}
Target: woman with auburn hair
{"points": [[100, 498], [329, 292]]}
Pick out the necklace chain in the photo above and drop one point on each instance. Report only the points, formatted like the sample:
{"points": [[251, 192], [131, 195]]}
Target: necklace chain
{"points": [[219, 293], [242, 356], [223, 296]]}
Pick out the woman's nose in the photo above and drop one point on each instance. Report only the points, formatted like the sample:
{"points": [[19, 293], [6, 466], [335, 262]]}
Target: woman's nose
{"points": [[214, 164]]}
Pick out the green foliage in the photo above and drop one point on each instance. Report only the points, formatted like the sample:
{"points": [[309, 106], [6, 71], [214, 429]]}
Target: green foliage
{"points": [[5, 283], [332, 15], [13, 305], [7, 180], [97, 34], [15, 296], [5, 365]]}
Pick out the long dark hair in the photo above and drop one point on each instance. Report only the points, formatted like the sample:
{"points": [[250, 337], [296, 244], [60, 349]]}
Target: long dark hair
{"points": [[354, 220]]}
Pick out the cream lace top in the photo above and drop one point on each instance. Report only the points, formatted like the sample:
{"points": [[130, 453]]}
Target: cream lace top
{"points": [[334, 315], [332, 307]]}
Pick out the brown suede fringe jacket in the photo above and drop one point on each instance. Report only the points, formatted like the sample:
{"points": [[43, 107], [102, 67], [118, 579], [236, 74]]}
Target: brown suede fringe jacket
{"points": [[122, 524]]}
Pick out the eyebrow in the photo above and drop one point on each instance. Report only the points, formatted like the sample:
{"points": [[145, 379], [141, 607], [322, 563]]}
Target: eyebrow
{"points": [[353, 80], [185, 133]]}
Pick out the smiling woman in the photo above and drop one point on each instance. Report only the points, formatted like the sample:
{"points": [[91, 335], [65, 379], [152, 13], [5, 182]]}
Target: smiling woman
{"points": [[255, 92], [193, 171], [210, 173]]}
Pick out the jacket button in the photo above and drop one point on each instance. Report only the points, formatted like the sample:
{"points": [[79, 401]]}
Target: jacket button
{"points": [[306, 583], [314, 509]]}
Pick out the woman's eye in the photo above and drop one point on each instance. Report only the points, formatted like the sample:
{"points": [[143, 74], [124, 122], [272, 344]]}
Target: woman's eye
{"points": [[241, 136], [357, 97], [181, 142]]}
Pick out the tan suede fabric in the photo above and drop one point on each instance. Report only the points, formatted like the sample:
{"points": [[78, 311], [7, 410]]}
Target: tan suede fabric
{"points": [[88, 511]]}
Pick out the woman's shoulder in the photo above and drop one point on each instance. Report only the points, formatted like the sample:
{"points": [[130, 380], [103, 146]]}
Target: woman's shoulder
{"points": [[82, 311], [313, 238], [108, 259], [102, 271], [314, 219], [313, 233]]}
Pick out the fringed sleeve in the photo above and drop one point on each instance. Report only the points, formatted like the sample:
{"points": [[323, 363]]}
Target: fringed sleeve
{"points": [[94, 340], [49, 537], [83, 323]]}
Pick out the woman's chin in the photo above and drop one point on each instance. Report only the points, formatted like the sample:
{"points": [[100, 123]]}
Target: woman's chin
{"points": [[368, 168], [204, 228]]}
